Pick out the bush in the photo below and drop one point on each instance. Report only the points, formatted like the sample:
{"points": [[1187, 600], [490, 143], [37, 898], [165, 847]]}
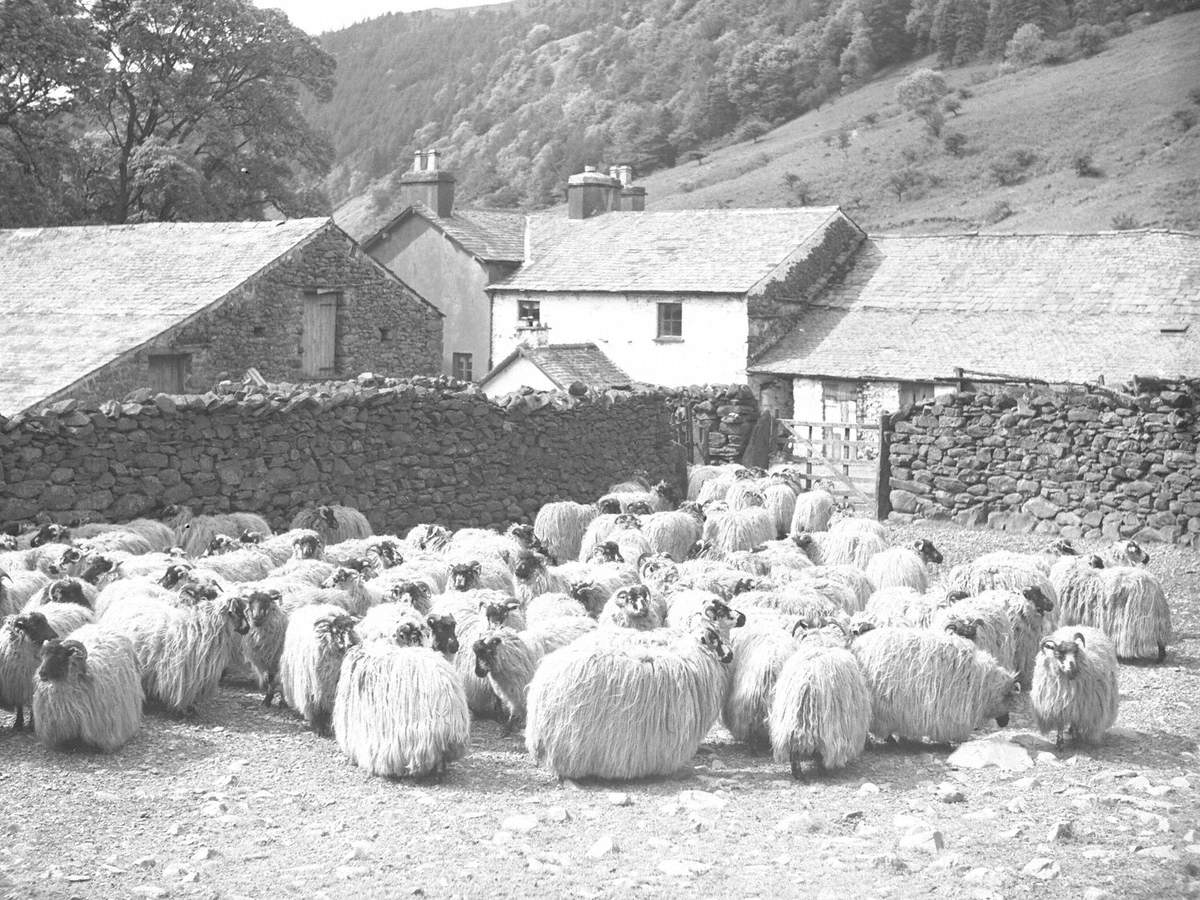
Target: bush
{"points": [[799, 188], [1082, 163], [911, 154], [998, 212], [933, 119], [1184, 118], [1124, 222], [1011, 168], [965, 93], [1025, 47], [924, 87], [1089, 39], [955, 143], [1054, 53], [872, 118], [952, 105], [686, 187], [752, 129], [902, 181]]}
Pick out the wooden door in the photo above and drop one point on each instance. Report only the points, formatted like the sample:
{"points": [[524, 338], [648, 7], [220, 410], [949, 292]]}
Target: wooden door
{"points": [[320, 334], [167, 372]]}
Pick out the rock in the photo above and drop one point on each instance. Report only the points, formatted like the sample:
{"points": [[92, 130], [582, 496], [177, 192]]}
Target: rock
{"points": [[214, 808], [950, 793], [603, 846], [1180, 783], [866, 788], [345, 873], [1041, 507], [149, 890], [358, 850], [1139, 783], [145, 862], [204, 853], [1162, 852], [683, 868], [905, 822], [801, 822], [557, 814], [1042, 867], [927, 841], [698, 800], [1061, 831], [519, 824], [1159, 790], [616, 798], [1095, 893], [999, 752], [502, 838], [985, 877], [985, 814]]}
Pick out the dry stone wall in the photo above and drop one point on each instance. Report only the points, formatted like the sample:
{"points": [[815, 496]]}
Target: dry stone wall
{"points": [[403, 452], [1081, 461]]}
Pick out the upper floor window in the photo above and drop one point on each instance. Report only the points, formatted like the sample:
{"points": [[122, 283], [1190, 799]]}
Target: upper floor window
{"points": [[670, 320], [461, 366], [529, 312]]}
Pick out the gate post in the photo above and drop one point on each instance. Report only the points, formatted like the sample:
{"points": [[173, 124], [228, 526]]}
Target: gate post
{"points": [[883, 474]]}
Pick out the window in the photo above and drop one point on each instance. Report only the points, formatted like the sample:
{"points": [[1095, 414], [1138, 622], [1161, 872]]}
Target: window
{"points": [[260, 330], [670, 320], [915, 392], [461, 366], [167, 372], [529, 312], [385, 334]]}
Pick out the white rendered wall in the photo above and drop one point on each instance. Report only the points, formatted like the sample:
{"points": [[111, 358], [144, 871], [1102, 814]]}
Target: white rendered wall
{"points": [[625, 327], [518, 374]]}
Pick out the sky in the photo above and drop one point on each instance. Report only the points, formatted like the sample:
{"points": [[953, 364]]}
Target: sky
{"points": [[315, 16]]}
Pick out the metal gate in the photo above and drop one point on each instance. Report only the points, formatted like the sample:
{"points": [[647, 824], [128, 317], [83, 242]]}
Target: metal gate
{"points": [[843, 456]]}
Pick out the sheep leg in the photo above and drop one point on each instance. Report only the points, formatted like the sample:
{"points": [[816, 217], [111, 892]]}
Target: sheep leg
{"points": [[270, 690], [1058, 744], [820, 763], [797, 766], [1162, 652], [19, 721]]}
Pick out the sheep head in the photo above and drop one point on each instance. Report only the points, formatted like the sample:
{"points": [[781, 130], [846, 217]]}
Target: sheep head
{"points": [[465, 576], [610, 506], [639, 508], [67, 590], [710, 639], [667, 491], [174, 574], [860, 627], [925, 549], [1133, 552], [388, 552], [410, 634], [61, 659], [717, 611], [409, 592], [588, 593], [804, 541], [606, 552], [8, 542], [496, 611], [307, 545], [35, 627], [742, 585], [963, 628], [955, 595], [523, 533], [445, 634], [198, 590], [628, 520], [529, 566], [342, 578], [1037, 597], [221, 543], [635, 600], [701, 550], [1064, 655], [97, 565], [693, 509], [251, 537], [259, 605], [49, 533], [1063, 548], [338, 630], [328, 516], [485, 654]]}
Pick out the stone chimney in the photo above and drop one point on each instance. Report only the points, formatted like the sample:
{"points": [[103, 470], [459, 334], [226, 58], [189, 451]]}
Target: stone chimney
{"points": [[591, 193], [630, 198], [427, 184]]}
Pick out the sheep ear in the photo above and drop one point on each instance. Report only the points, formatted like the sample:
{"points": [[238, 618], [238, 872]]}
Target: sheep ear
{"points": [[1049, 644], [76, 649], [1079, 639], [476, 567]]}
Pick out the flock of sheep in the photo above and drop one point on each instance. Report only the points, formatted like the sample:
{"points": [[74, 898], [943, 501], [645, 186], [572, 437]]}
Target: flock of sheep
{"points": [[616, 633]]}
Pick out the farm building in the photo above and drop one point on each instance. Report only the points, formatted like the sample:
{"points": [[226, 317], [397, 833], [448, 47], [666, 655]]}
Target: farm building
{"points": [[554, 367], [95, 312], [448, 255], [912, 317]]}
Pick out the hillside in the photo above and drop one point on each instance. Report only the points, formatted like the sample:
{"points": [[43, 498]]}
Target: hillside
{"points": [[1120, 106]]}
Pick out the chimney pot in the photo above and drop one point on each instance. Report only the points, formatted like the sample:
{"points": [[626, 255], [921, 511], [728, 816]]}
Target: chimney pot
{"points": [[432, 155], [418, 161]]}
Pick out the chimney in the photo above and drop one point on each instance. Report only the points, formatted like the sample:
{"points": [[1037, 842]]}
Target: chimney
{"points": [[629, 198], [428, 185], [591, 193]]}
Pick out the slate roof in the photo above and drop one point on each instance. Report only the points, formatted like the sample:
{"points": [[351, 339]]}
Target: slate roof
{"points": [[567, 363], [724, 251], [1053, 307], [492, 235], [74, 299]]}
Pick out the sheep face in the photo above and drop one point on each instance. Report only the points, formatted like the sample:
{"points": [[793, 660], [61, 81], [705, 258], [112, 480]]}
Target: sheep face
{"points": [[925, 549], [742, 585], [68, 590], [69, 557], [465, 576], [963, 628], [235, 610], [861, 627], [430, 537], [445, 636], [337, 631], [634, 600], [700, 550], [62, 659], [343, 578], [410, 634], [607, 551], [1063, 548], [628, 520], [956, 595], [1095, 562], [497, 613], [1041, 602], [35, 627], [523, 533], [587, 593], [692, 508], [803, 540], [717, 611], [610, 507], [1007, 697], [485, 655], [1133, 552], [307, 546], [638, 508], [221, 543], [328, 516], [97, 566], [197, 590], [49, 533], [251, 537], [259, 605], [667, 492], [529, 566], [1065, 655], [174, 574], [711, 640], [388, 552], [410, 592]]}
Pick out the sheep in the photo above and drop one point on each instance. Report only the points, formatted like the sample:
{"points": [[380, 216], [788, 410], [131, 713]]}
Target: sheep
{"points": [[531, 577], [480, 573], [65, 590], [854, 579], [1027, 611], [779, 499], [759, 653], [428, 536], [899, 606], [546, 608], [659, 498], [622, 704], [561, 525], [470, 625], [130, 591], [334, 523], [507, 658], [88, 691], [796, 599], [931, 686], [481, 543], [987, 618], [400, 711], [379, 552], [360, 597], [397, 623], [314, 571], [842, 549], [833, 589], [742, 529], [715, 488], [1010, 572], [811, 512], [673, 532], [263, 642], [443, 634], [688, 608], [858, 525], [1132, 611], [698, 476], [903, 566], [16, 589], [21, 640], [1077, 587], [314, 646], [181, 649], [237, 565], [417, 594], [194, 534], [596, 533], [821, 708], [1124, 553], [499, 609], [1075, 686], [632, 608]]}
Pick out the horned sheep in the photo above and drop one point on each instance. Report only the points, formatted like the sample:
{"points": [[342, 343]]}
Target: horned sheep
{"points": [[314, 646], [1075, 686]]}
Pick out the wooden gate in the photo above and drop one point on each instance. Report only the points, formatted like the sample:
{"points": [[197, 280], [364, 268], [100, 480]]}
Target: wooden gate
{"points": [[691, 433], [320, 334], [842, 455]]}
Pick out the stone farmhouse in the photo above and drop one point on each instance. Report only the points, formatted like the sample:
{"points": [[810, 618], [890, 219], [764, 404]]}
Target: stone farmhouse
{"points": [[95, 312]]}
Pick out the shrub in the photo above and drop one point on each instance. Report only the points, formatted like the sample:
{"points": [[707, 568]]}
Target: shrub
{"points": [[923, 87], [1184, 118], [1084, 166], [933, 119], [998, 212], [1011, 167], [872, 118], [902, 181], [955, 143], [910, 154], [1089, 39], [752, 129], [966, 93], [952, 105], [687, 187], [1054, 53], [843, 138], [799, 188], [1025, 47], [1124, 222]]}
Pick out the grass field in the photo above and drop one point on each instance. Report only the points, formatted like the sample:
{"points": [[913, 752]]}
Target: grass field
{"points": [[1119, 106], [243, 802]]}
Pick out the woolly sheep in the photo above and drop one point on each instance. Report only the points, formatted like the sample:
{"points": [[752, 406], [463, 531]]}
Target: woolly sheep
{"points": [[65, 590], [821, 708], [698, 476], [88, 691], [546, 608], [859, 525], [623, 704], [400, 711], [853, 578], [263, 642], [361, 597], [1077, 588], [1124, 553], [931, 686], [479, 573], [17, 588], [899, 606], [673, 532], [903, 566], [491, 547], [759, 654], [21, 640], [742, 529], [464, 607], [842, 549], [779, 499], [561, 526], [1130, 607], [689, 609], [811, 512], [1075, 686], [428, 536], [659, 498], [987, 616], [314, 646], [996, 572], [1027, 611], [333, 522], [240, 565], [633, 608], [396, 623], [194, 534]]}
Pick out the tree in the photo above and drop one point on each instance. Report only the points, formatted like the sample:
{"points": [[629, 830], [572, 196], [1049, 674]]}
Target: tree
{"points": [[858, 59], [1025, 47], [922, 88]]}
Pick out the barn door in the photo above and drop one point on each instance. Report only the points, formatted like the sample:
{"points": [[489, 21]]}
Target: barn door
{"points": [[320, 332], [167, 371]]}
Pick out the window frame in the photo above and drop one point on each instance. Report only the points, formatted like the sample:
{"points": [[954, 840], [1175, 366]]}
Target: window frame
{"points": [[456, 360], [526, 320], [669, 325]]}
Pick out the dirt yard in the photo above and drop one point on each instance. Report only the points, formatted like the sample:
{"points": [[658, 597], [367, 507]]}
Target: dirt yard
{"points": [[243, 802]]}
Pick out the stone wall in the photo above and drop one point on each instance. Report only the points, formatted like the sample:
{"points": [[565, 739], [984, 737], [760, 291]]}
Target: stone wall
{"points": [[381, 326], [1082, 462], [403, 452]]}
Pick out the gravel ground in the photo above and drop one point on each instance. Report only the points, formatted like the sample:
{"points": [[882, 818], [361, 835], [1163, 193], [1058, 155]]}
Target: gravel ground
{"points": [[243, 802]]}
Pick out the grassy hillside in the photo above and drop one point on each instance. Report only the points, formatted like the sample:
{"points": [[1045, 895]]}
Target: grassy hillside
{"points": [[1120, 106]]}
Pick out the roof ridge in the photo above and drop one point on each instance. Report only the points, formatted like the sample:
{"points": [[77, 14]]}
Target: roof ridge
{"points": [[1029, 234]]}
